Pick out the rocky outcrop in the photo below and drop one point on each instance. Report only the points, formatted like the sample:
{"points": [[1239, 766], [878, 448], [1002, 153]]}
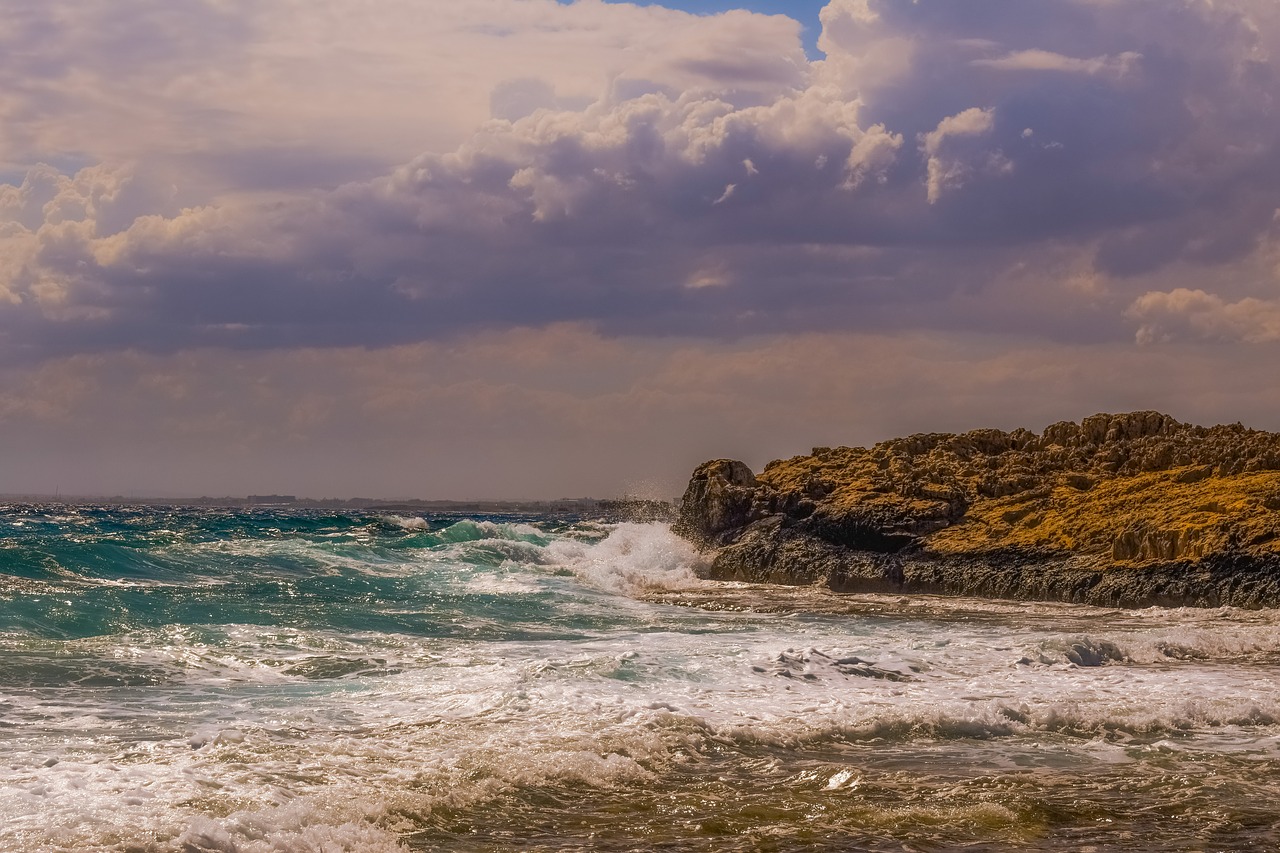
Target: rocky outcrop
{"points": [[1128, 509], [719, 500]]}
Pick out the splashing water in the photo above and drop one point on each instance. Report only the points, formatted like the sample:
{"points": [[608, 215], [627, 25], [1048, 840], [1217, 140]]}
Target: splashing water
{"points": [[176, 680]]}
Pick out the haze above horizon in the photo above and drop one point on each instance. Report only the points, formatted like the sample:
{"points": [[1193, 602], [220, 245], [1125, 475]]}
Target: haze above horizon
{"points": [[528, 247]]}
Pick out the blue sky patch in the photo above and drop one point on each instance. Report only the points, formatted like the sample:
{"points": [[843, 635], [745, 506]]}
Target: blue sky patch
{"points": [[804, 11]]}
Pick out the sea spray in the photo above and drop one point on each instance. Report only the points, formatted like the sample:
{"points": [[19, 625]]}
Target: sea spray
{"points": [[176, 680]]}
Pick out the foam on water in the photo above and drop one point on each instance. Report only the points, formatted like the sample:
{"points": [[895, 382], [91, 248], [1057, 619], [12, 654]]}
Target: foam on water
{"points": [[380, 689], [415, 523], [632, 558]]}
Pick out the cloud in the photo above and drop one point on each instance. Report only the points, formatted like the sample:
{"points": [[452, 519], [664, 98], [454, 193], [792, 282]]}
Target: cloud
{"points": [[212, 88], [1197, 315], [1045, 60], [311, 176], [951, 172], [562, 410], [727, 194], [971, 122]]}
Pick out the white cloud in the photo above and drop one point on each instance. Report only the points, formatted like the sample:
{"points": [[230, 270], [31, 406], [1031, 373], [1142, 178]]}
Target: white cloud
{"points": [[342, 84], [864, 52], [1184, 313], [972, 122], [1045, 60], [599, 188], [950, 172]]}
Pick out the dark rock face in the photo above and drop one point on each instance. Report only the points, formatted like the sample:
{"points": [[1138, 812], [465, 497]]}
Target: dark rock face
{"points": [[718, 500], [1118, 510]]}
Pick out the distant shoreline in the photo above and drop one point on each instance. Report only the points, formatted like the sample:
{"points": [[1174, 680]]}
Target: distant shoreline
{"points": [[629, 509]]}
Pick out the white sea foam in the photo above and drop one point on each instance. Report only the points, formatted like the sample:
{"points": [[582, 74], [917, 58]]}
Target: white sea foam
{"points": [[632, 558], [502, 584], [413, 523], [330, 768], [291, 828], [286, 739]]}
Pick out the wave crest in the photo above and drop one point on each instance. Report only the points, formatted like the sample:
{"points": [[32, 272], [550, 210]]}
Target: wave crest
{"points": [[632, 558]]}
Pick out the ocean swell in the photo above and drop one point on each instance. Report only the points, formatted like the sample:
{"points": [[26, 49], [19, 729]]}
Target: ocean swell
{"points": [[279, 682]]}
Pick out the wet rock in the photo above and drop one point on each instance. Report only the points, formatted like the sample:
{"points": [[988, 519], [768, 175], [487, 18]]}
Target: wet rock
{"points": [[719, 499], [1087, 652]]}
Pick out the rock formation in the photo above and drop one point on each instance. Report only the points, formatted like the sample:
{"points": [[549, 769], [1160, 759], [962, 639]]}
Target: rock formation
{"points": [[1130, 510]]}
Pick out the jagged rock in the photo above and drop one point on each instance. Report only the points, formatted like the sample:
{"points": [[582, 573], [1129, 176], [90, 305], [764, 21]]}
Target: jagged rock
{"points": [[719, 499], [1118, 509]]}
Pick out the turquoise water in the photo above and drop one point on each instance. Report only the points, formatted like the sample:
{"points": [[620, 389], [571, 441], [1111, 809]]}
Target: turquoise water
{"points": [[209, 680]]}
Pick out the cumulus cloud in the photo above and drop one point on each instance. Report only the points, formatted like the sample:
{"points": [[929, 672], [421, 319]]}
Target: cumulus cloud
{"points": [[233, 94], [1195, 314], [606, 164], [951, 172]]}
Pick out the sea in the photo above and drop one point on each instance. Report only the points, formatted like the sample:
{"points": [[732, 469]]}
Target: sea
{"points": [[238, 681]]}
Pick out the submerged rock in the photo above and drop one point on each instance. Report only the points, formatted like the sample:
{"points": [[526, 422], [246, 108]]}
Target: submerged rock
{"points": [[1130, 509]]}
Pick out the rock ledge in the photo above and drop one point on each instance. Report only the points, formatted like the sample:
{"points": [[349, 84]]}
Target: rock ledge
{"points": [[1120, 510]]}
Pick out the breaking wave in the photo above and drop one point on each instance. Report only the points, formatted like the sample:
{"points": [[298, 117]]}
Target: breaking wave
{"points": [[224, 682]]}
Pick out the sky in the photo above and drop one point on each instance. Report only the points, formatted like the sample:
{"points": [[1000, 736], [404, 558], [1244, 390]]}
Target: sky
{"points": [[529, 248], [806, 12]]}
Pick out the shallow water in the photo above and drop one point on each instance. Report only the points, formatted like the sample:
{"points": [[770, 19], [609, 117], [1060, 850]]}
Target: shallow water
{"points": [[219, 681]]}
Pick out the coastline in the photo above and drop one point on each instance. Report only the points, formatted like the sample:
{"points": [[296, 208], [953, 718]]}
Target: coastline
{"points": [[1132, 510], [1220, 581]]}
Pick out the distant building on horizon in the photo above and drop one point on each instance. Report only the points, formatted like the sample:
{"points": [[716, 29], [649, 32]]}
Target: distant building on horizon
{"points": [[272, 500]]}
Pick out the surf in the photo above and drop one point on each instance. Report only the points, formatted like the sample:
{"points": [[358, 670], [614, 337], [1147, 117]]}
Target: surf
{"points": [[191, 680]]}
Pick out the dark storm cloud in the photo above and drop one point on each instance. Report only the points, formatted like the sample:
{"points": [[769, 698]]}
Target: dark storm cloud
{"points": [[947, 167], [1149, 114]]}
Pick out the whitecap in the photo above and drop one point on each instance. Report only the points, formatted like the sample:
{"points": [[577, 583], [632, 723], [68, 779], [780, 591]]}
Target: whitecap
{"points": [[632, 558]]}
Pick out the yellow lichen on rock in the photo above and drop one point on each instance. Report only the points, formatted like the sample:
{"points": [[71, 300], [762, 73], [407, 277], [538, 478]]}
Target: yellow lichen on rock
{"points": [[1128, 489], [1136, 519]]}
